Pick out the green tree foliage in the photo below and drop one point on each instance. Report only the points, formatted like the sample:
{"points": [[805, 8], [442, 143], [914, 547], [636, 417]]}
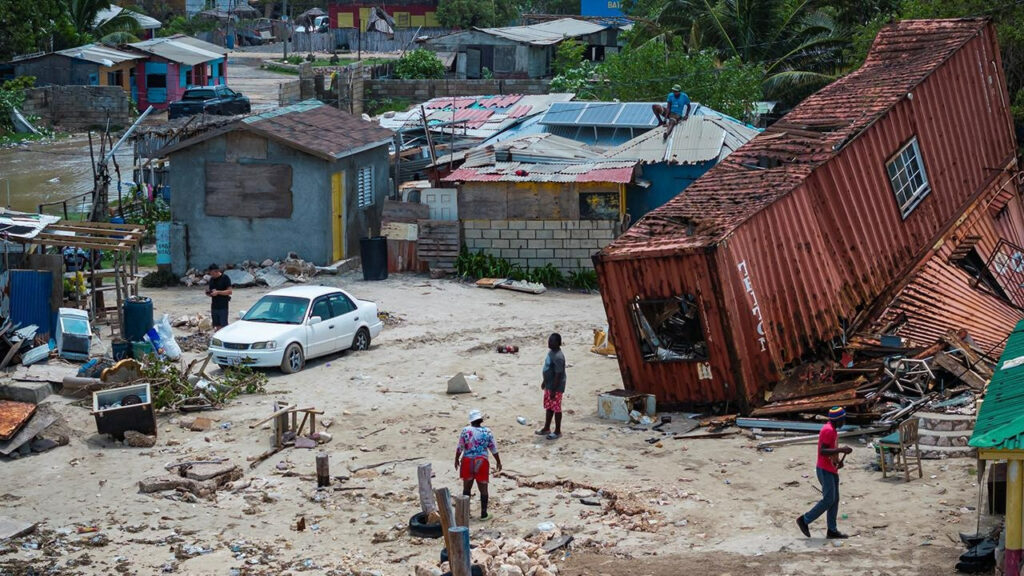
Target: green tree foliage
{"points": [[27, 27], [648, 71], [82, 16], [568, 56], [418, 65], [799, 43], [469, 13], [12, 95]]}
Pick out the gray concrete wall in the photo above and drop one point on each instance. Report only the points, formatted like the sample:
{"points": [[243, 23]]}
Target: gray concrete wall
{"points": [[565, 244], [422, 90], [79, 107], [198, 239]]}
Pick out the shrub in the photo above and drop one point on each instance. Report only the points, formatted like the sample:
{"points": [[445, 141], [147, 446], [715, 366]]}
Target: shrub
{"points": [[419, 64]]}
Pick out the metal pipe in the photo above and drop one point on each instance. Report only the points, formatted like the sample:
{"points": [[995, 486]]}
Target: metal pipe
{"points": [[127, 133]]}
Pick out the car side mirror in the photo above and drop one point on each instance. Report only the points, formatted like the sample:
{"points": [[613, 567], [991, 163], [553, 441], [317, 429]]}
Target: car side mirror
{"points": [[313, 320], [241, 314]]}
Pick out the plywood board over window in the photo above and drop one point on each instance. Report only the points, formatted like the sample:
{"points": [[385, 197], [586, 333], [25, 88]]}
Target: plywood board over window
{"points": [[248, 190], [245, 145]]}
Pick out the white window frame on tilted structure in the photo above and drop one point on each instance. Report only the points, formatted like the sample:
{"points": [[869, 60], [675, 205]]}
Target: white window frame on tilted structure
{"points": [[908, 177], [365, 196]]}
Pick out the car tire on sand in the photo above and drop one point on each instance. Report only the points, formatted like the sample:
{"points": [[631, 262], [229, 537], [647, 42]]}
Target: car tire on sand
{"points": [[293, 360]]}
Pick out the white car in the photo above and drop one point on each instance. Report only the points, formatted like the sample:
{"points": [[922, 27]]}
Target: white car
{"points": [[287, 326]]}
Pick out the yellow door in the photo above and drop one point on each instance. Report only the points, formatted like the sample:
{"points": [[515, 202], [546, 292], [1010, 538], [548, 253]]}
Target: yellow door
{"points": [[338, 214]]}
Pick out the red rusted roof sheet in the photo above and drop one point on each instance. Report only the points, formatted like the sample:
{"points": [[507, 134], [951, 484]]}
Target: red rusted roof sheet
{"points": [[903, 55], [13, 416]]}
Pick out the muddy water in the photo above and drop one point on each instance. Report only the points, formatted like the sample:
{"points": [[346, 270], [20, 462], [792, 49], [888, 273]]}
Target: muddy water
{"points": [[55, 171]]}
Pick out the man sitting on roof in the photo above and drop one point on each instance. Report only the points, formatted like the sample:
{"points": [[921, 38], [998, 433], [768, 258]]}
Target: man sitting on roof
{"points": [[677, 108]]}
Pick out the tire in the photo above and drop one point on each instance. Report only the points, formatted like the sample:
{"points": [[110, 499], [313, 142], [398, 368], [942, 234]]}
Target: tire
{"points": [[419, 529], [293, 360], [361, 341]]}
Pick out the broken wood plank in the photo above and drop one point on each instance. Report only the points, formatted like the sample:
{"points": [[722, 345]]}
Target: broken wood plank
{"points": [[37, 424], [814, 437], [14, 415], [956, 369], [11, 528], [378, 465]]}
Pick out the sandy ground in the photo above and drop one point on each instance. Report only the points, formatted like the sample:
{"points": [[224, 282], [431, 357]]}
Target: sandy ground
{"points": [[712, 506]]}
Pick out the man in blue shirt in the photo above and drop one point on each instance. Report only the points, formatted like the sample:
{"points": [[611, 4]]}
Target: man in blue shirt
{"points": [[677, 108]]}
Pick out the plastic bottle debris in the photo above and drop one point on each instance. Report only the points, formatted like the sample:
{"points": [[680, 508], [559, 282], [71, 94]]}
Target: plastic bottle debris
{"points": [[546, 526], [521, 420]]}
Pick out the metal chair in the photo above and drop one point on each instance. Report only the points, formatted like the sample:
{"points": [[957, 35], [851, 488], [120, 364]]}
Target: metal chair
{"points": [[899, 443]]}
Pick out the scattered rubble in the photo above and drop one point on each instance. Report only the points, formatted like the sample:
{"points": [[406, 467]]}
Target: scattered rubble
{"points": [[266, 273]]}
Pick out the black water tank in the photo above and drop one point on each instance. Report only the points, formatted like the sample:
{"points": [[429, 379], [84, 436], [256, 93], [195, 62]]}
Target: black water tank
{"points": [[374, 255]]}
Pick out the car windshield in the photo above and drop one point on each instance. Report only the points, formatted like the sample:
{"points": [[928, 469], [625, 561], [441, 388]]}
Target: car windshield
{"points": [[198, 95], [278, 310]]}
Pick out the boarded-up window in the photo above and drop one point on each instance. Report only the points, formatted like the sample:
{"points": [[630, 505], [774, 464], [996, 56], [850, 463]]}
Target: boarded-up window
{"points": [[364, 187], [248, 190], [504, 58]]}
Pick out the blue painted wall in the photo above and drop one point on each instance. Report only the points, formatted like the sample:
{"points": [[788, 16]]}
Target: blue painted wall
{"points": [[601, 8], [667, 181]]}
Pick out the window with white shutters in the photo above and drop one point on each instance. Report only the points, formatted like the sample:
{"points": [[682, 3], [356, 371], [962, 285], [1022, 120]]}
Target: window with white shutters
{"points": [[364, 187]]}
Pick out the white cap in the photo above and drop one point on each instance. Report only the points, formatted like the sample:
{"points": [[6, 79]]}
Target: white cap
{"points": [[475, 415]]}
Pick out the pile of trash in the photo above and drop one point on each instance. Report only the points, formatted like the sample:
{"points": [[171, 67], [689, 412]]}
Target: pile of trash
{"points": [[268, 273]]}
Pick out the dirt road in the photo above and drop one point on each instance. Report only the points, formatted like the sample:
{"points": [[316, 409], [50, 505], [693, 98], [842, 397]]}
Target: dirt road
{"points": [[707, 506]]}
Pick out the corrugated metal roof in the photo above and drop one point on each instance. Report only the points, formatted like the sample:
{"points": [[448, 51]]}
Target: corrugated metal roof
{"points": [[505, 111], [903, 55], [544, 158], [602, 114], [99, 54], [1000, 422], [182, 49], [699, 139], [546, 33], [616, 172]]}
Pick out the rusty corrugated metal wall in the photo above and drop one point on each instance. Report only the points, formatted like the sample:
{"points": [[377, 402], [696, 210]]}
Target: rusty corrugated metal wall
{"points": [[803, 270]]}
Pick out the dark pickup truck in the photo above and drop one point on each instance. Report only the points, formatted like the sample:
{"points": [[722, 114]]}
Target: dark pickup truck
{"points": [[219, 100]]}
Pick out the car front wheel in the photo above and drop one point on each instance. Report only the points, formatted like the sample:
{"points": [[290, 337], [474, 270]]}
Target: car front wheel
{"points": [[362, 340], [293, 360]]}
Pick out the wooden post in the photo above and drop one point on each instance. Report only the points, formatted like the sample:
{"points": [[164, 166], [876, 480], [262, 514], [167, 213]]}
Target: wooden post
{"points": [[323, 473], [458, 551], [427, 503], [462, 511], [444, 508]]}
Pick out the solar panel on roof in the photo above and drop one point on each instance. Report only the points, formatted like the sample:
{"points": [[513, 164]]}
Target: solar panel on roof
{"points": [[563, 113], [636, 115], [600, 114]]}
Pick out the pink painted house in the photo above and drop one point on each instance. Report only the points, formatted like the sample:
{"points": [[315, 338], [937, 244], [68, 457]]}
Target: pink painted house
{"points": [[174, 64]]}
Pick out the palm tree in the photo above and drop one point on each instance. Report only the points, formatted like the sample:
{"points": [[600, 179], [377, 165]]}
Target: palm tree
{"points": [[83, 13], [799, 43]]}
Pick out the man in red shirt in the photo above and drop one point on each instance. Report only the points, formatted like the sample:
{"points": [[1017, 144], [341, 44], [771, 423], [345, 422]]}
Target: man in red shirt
{"points": [[829, 462]]}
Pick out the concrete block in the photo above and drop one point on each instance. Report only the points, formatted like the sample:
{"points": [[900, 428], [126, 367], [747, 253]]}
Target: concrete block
{"points": [[579, 234], [517, 243], [554, 244], [509, 234], [491, 233], [517, 224], [552, 224], [499, 224], [534, 224], [601, 234], [472, 233], [586, 224], [571, 225], [562, 234], [535, 244], [470, 224], [509, 253], [601, 244], [545, 234], [34, 392], [574, 243], [535, 263], [527, 253], [545, 253], [527, 234], [582, 253], [496, 244]]}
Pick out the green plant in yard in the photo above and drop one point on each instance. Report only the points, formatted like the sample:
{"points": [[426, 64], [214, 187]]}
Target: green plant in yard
{"points": [[585, 280], [419, 64], [12, 95], [151, 213], [375, 107], [547, 275], [159, 279]]}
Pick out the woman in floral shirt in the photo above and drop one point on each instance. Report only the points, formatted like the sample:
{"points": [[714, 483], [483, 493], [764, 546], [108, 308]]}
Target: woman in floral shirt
{"points": [[471, 458]]}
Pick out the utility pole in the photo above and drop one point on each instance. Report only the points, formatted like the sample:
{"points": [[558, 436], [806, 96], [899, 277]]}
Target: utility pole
{"points": [[288, 28]]}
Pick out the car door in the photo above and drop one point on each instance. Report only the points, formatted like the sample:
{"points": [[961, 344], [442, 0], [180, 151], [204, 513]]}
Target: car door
{"points": [[319, 336], [347, 316]]}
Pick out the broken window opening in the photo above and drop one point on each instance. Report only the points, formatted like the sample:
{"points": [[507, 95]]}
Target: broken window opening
{"points": [[670, 330], [974, 264]]}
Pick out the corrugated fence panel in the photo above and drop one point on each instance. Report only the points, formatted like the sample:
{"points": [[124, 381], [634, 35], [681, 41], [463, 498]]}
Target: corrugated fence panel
{"points": [[30, 299]]}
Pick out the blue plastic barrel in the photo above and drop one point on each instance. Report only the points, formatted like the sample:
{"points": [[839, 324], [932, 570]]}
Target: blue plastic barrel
{"points": [[138, 318]]}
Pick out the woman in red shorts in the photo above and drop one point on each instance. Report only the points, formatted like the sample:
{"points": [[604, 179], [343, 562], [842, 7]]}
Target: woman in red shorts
{"points": [[471, 458]]}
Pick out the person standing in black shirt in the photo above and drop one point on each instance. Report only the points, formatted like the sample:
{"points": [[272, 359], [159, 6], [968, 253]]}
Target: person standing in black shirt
{"points": [[219, 290]]}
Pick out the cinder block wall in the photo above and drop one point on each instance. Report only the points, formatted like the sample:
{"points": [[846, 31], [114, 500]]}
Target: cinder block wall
{"points": [[565, 244], [79, 107], [423, 90]]}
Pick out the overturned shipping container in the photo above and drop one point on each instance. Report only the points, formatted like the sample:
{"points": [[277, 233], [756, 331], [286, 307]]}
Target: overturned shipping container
{"points": [[887, 202]]}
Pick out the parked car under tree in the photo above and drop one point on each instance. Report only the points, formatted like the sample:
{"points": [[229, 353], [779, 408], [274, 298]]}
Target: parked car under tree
{"points": [[218, 100], [288, 326]]}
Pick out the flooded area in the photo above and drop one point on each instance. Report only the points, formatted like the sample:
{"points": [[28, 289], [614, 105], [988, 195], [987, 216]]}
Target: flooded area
{"points": [[53, 171]]}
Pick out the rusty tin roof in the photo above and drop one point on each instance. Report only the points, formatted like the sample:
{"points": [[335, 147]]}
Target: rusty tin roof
{"points": [[777, 161]]}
